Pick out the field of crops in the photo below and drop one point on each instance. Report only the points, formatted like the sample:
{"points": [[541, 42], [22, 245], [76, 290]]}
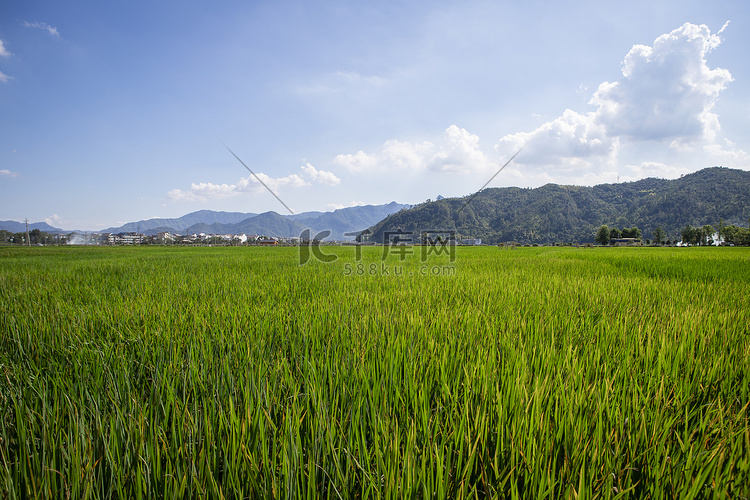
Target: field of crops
{"points": [[237, 373]]}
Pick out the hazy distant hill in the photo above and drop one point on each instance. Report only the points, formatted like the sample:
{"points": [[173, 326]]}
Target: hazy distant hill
{"points": [[20, 227], [350, 219], [180, 224], [268, 224], [340, 221], [557, 214]]}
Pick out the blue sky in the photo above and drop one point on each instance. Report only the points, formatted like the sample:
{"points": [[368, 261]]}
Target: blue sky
{"points": [[119, 111]]}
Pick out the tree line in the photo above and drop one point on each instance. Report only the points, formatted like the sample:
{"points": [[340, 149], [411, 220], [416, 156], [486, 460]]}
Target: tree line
{"points": [[605, 235], [34, 237], [728, 234]]}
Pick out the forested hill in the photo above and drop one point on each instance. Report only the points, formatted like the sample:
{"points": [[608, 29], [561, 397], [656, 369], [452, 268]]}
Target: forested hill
{"points": [[559, 214]]}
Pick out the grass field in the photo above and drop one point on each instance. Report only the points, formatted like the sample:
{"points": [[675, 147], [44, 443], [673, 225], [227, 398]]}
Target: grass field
{"points": [[235, 372]]}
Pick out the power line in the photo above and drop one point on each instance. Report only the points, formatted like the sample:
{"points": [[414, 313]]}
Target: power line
{"points": [[485, 184], [259, 180]]}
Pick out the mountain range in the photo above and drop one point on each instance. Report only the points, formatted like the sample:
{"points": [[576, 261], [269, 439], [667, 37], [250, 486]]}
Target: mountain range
{"points": [[339, 221], [548, 214], [558, 214], [20, 227]]}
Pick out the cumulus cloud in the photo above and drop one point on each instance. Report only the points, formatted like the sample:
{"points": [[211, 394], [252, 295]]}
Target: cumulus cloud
{"points": [[275, 183], [4, 53], [572, 136], [727, 152], [651, 169], [202, 191], [53, 220], [320, 176], [667, 91], [405, 155], [666, 94], [458, 151], [43, 26], [393, 154], [357, 162], [7, 173], [338, 206]]}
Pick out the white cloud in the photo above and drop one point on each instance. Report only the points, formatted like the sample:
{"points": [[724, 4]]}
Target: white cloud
{"points": [[353, 77], [458, 151], [8, 173], [3, 51], [661, 108], [666, 94], [405, 155], [320, 176], [572, 139], [394, 154], [342, 81], [250, 183], [202, 191], [667, 91], [357, 162], [43, 26], [53, 220], [650, 169], [728, 152], [338, 206], [180, 195]]}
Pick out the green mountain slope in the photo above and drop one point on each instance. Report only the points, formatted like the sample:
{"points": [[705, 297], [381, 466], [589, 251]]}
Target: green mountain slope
{"points": [[558, 214]]}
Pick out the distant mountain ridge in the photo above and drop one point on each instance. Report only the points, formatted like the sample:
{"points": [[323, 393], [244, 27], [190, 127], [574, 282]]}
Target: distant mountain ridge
{"points": [[549, 214], [180, 224], [558, 214], [339, 221], [267, 224], [20, 227]]}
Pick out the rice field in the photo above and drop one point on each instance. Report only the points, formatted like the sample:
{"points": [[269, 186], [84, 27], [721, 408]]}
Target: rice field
{"points": [[160, 372]]}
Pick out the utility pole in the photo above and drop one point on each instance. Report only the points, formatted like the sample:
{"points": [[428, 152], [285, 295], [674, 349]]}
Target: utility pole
{"points": [[28, 236]]}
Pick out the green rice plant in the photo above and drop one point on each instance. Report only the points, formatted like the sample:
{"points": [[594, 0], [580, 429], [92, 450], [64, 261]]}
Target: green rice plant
{"points": [[236, 373]]}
